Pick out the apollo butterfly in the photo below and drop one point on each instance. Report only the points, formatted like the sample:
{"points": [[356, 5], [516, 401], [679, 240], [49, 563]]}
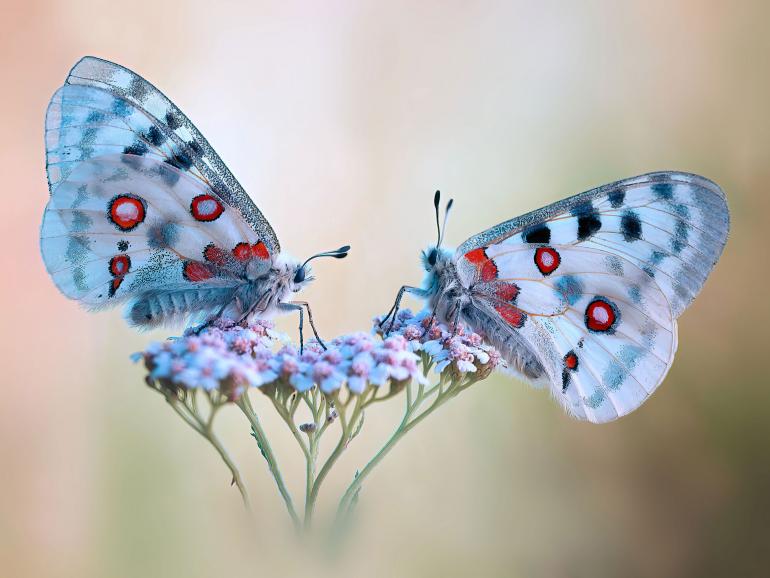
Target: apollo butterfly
{"points": [[583, 295], [144, 212]]}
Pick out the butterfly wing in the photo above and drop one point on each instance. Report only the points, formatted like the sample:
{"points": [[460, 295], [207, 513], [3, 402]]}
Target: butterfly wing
{"points": [[104, 108], [121, 226], [140, 205], [593, 284]]}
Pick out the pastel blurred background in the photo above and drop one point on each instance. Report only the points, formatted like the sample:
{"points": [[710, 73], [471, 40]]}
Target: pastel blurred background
{"points": [[341, 119]]}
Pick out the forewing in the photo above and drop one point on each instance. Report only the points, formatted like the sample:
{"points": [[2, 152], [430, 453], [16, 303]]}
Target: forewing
{"points": [[105, 109], [671, 225], [122, 225]]}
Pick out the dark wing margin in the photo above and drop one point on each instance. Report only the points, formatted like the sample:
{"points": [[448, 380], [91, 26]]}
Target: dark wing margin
{"points": [[191, 148]]}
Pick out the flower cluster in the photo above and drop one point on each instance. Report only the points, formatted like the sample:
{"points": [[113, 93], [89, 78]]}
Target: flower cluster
{"points": [[458, 349], [230, 357]]}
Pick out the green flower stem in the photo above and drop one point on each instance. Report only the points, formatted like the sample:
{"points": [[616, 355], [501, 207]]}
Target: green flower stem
{"points": [[410, 420], [192, 419], [348, 430], [245, 404]]}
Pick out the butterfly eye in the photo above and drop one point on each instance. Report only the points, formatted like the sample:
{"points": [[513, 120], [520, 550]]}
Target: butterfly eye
{"points": [[432, 256], [299, 276]]}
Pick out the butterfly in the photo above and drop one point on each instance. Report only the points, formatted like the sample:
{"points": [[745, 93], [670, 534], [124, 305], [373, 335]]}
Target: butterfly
{"points": [[143, 211], [582, 296]]}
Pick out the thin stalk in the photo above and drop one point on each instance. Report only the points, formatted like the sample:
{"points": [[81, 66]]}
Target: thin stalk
{"points": [[347, 429], [407, 423], [205, 430], [245, 404]]}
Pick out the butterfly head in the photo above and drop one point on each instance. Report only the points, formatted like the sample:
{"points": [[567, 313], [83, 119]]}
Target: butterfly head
{"points": [[300, 273], [434, 258]]}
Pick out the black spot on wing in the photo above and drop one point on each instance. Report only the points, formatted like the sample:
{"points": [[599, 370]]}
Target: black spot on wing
{"points": [[180, 160], [589, 221], [138, 149], [656, 258], [173, 121], [681, 233], [194, 149], [154, 136], [630, 226], [664, 191], [538, 234], [616, 198], [120, 107], [95, 116]]}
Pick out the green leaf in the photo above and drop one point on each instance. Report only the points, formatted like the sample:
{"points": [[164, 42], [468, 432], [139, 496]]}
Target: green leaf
{"points": [[259, 444]]}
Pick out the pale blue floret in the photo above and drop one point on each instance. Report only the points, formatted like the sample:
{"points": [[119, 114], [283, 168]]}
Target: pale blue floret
{"points": [[245, 357]]}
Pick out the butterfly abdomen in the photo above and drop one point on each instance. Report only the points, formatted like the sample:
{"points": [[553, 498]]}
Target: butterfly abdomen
{"points": [[153, 309], [512, 347]]}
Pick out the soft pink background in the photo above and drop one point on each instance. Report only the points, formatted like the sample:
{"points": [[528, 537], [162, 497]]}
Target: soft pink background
{"points": [[341, 118]]}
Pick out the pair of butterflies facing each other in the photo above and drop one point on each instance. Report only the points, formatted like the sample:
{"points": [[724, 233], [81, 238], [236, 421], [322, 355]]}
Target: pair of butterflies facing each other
{"points": [[581, 296]]}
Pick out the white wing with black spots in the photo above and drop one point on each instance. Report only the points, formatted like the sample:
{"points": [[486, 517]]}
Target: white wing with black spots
{"points": [[106, 109], [671, 225], [586, 292], [123, 225]]}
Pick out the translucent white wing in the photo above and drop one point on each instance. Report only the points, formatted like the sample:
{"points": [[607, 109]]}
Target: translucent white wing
{"points": [[600, 326], [121, 225], [105, 109], [592, 285], [671, 225]]}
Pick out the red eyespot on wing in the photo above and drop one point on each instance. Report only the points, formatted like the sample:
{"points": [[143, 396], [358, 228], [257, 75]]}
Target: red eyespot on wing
{"points": [[194, 271], [260, 251], [601, 315], [206, 208], [214, 254], [242, 252], [477, 256], [513, 315], [488, 271], [547, 260], [126, 212], [571, 361], [114, 285], [507, 292], [486, 267], [119, 265]]}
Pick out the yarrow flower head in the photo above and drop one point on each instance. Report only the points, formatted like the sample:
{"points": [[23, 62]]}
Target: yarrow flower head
{"points": [[324, 385], [457, 349], [231, 357]]}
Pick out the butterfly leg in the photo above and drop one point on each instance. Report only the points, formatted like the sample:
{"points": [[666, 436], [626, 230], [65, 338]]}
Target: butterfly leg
{"points": [[397, 304], [310, 319], [295, 307]]}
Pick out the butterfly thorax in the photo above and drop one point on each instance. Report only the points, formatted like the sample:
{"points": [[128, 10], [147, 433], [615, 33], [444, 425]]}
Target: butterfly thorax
{"points": [[441, 286], [264, 290], [454, 301]]}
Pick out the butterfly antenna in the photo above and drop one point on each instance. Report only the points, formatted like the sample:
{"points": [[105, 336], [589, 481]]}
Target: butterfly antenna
{"points": [[446, 218], [436, 200], [340, 253]]}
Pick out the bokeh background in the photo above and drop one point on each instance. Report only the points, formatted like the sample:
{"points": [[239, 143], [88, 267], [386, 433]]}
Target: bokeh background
{"points": [[341, 119]]}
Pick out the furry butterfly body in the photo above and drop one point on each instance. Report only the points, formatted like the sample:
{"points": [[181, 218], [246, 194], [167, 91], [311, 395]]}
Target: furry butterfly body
{"points": [[582, 296], [144, 212]]}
